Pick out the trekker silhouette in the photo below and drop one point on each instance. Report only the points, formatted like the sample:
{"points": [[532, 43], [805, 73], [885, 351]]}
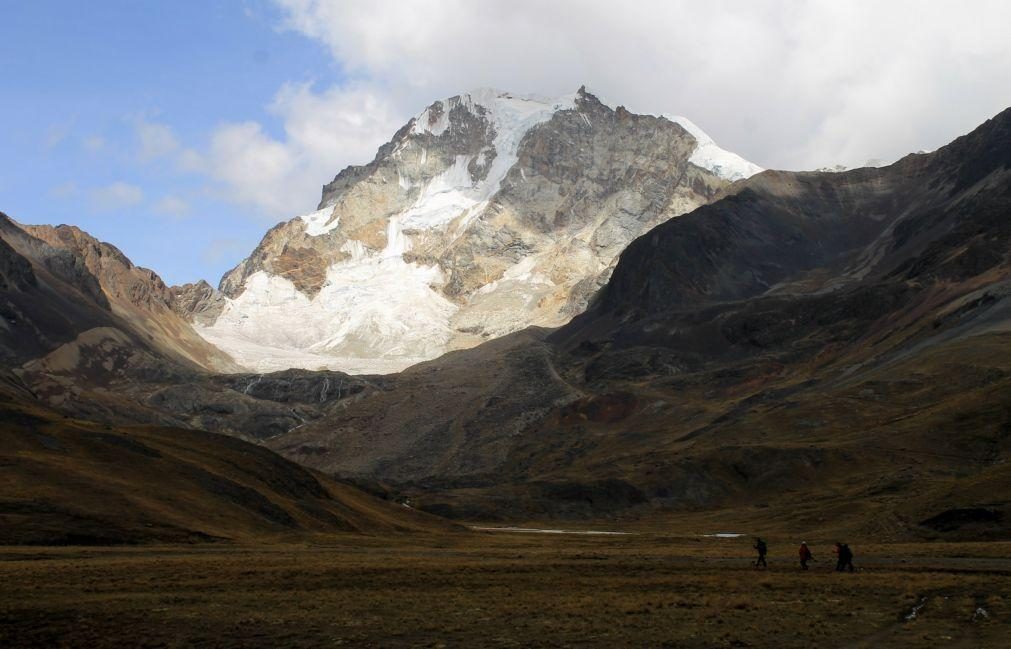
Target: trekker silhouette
{"points": [[805, 555], [762, 549], [845, 557]]}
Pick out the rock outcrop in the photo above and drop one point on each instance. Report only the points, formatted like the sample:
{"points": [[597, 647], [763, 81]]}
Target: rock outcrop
{"points": [[199, 302]]}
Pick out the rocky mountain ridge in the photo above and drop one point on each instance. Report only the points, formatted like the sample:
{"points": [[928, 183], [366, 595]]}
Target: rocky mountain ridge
{"points": [[97, 287], [486, 213]]}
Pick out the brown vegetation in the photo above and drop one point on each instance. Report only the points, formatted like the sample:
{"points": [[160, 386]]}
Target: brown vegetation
{"points": [[504, 590]]}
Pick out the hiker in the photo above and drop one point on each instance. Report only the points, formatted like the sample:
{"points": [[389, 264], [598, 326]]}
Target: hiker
{"points": [[805, 555], [762, 550], [845, 557]]}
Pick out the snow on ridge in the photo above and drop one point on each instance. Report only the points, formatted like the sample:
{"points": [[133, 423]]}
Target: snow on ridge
{"points": [[453, 193], [709, 155], [319, 222], [493, 101]]}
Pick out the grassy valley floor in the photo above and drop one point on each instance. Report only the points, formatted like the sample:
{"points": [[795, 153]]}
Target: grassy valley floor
{"points": [[499, 589]]}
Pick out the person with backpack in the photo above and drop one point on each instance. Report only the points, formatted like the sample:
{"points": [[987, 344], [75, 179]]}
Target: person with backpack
{"points": [[844, 556], [805, 555], [762, 548]]}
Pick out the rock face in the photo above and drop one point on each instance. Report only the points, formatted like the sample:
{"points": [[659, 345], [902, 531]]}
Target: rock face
{"points": [[198, 302], [486, 213]]}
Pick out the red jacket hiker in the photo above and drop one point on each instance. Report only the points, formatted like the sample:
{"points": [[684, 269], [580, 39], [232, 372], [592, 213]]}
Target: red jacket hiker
{"points": [[805, 555]]}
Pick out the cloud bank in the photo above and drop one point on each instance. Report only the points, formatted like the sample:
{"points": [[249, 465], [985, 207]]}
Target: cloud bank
{"points": [[115, 196], [785, 84]]}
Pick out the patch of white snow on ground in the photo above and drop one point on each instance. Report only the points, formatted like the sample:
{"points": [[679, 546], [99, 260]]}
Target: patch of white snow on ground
{"points": [[320, 222], [376, 308], [263, 358], [913, 614], [453, 192], [724, 535], [709, 155], [534, 530], [444, 197], [521, 273]]}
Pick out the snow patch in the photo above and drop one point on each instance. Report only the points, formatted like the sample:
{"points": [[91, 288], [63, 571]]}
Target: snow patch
{"points": [[320, 222], [913, 614], [454, 191], [522, 272], [374, 307], [444, 197], [709, 156], [358, 250]]}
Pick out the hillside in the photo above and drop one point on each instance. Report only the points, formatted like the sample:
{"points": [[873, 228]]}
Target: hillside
{"points": [[822, 345], [61, 282], [67, 481]]}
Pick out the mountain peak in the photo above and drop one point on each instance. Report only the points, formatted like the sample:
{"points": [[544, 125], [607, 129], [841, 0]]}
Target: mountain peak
{"points": [[488, 212]]}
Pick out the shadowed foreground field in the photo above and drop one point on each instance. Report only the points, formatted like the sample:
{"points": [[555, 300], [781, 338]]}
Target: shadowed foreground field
{"points": [[504, 590]]}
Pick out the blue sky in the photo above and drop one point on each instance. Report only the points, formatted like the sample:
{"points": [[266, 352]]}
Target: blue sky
{"points": [[82, 80], [180, 131]]}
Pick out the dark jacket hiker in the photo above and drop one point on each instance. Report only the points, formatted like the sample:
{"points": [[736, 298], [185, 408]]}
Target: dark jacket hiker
{"points": [[845, 557], [762, 549]]}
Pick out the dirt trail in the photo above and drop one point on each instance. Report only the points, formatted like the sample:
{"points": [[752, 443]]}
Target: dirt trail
{"points": [[553, 371]]}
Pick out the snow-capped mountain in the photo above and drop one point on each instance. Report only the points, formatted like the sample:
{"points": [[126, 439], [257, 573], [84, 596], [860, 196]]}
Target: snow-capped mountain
{"points": [[486, 213]]}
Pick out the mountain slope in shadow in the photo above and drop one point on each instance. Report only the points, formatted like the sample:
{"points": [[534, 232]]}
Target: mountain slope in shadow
{"points": [[838, 338], [68, 481]]}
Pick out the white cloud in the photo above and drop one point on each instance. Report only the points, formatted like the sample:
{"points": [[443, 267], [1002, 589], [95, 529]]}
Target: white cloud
{"points": [[115, 196], [57, 133], [218, 250], [93, 143], [786, 84], [252, 165], [154, 140], [172, 206], [64, 190], [190, 161], [323, 132]]}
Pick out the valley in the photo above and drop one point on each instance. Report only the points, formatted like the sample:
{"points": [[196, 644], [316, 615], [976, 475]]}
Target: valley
{"points": [[832, 347], [661, 587], [537, 375]]}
